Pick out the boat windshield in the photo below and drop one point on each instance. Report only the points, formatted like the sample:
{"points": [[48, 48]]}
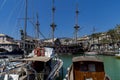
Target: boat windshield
{"points": [[87, 66]]}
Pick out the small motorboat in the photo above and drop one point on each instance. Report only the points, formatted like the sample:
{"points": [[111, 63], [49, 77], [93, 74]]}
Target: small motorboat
{"points": [[86, 68]]}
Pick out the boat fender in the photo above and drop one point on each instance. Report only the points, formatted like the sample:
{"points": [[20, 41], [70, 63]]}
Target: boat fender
{"points": [[39, 52], [68, 69], [66, 75]]}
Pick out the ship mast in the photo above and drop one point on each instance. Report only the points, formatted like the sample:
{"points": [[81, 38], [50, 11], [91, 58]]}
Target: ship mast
{"points": [[53, 25], [37, 30], [76, 27], [25, 25], [37, 27]]}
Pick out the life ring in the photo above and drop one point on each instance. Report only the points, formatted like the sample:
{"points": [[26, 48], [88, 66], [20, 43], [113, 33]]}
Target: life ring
{"points": [[39, 52], [42, 51]]}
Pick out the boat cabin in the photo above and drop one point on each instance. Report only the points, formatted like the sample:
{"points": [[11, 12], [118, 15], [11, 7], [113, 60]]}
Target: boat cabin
{"points": [[44, 66], [88, 68]]}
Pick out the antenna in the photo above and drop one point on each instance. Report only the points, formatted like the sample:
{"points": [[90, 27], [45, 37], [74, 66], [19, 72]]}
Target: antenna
{"points": [[76, 27], [53, 25]]}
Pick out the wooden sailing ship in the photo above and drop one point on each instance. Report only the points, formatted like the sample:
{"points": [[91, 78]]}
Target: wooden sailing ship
{"points": [[86, 68]]}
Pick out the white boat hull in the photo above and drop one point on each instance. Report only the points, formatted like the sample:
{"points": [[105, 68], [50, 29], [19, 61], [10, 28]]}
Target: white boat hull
{"points": [[117, 55], [91, 53]]}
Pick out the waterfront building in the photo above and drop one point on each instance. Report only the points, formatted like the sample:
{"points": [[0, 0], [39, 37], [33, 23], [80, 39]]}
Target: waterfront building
{"points": [[99, 42], [7, 43]]}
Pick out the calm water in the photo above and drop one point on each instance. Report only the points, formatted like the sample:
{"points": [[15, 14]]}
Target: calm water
{"points": [[111, 64]]}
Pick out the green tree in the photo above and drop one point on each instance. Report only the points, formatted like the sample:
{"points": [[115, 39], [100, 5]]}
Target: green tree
{"points": [[112, 33], [96, 36], [117, 29]]}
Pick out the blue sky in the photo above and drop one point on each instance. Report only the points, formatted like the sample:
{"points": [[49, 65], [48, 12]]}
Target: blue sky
{"points": [[101, 14]]}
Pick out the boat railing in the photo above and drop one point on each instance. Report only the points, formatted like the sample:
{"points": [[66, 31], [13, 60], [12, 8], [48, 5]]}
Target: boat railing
{"points": [[107, 77], [7, 70], [30, 73], [69, 69], [55, 70]]}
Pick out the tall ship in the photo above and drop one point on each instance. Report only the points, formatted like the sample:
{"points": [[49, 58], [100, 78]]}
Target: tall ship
{"points": [[73, 47]]}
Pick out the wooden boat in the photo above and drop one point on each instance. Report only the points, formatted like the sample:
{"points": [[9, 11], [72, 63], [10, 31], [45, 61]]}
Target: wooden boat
{"points": [[86, 68]]}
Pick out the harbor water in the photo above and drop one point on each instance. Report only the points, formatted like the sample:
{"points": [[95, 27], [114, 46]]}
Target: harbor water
{"points": [[111, 65]]}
